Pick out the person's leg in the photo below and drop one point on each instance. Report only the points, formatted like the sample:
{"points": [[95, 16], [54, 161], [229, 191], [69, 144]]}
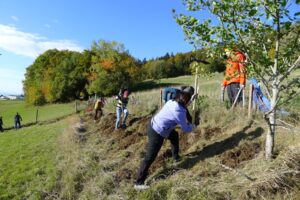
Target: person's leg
{"points": [[119, 112], [236, 88], [230, 94], [174, 139], [155, 142], [96, 113], [125, 116], [16, 125]]}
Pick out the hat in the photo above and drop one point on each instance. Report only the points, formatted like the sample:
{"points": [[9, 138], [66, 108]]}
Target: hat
{"points": [[190, 90]]}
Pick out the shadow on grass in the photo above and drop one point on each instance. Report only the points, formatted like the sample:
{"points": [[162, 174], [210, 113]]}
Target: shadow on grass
{"points": [[212, 150], [151, 84]]}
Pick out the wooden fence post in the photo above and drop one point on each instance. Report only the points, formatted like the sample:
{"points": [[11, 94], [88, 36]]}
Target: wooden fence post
{"points": [[76, 109], [161, 98], [36, 115], [194, 102], [250, 101]]}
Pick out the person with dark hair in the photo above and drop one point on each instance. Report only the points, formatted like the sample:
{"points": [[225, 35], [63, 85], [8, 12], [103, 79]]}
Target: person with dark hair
{"points": [[18, 120], [1, 124], [122, 99], [161, 127]]}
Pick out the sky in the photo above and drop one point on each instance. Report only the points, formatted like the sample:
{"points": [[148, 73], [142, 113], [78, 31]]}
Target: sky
{"points": [[30, 27]]}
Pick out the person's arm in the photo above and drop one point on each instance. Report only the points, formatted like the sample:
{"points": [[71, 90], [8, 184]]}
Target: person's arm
{"points": [[242, 74], [182, 121], [188, 116]]}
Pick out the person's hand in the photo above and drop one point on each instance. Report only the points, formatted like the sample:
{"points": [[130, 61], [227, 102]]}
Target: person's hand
{"points": [[242, 85]]}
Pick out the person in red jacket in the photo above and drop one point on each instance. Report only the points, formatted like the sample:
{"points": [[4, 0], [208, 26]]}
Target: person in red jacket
{"points": [[235, 74]]}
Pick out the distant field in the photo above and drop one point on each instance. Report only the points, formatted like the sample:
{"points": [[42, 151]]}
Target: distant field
{"points": [[8, 110], [28, 161], [208, 86]]}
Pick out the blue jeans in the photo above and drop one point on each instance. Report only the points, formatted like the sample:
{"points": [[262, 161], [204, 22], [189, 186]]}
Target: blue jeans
{"points": [[119, 113]]}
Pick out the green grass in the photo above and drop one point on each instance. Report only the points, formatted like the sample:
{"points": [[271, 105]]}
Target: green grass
{"points": [[8, 110], [27, 161]]}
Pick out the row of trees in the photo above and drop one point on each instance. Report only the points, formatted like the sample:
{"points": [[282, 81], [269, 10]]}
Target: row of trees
{"points": [[61, 76]]}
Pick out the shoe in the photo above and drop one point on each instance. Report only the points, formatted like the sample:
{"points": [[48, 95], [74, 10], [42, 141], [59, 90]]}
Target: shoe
{"points": [[123, 126], [141, 187]]}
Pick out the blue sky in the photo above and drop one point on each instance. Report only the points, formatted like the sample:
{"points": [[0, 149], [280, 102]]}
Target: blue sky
{"points": [[30, 27], [27, 28]]}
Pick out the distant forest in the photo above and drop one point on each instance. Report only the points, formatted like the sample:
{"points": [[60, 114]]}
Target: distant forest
{"points": [[63, 75]]}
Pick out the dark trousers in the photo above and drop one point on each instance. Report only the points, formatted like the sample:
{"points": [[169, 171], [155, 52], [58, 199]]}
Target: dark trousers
{"points": [[155, 142], [17, 124], [98, 112], [232, 90]]}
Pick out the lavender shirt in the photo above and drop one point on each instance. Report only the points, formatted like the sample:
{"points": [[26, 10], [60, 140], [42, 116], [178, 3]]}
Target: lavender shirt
{"points": [[168, 117]]}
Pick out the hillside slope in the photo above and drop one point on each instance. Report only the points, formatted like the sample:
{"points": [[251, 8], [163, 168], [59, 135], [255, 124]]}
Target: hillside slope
{"points": [[223, 161]]}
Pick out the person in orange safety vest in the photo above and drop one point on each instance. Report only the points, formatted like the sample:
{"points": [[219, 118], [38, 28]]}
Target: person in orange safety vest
{"points": [[235, 74]]}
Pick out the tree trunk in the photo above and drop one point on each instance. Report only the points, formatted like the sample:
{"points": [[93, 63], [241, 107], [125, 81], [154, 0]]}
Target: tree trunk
{"points": [[271, 124], [270, 136]]}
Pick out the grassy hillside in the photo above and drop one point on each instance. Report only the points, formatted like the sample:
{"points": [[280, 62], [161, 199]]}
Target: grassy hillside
{"points": [[80, 159], [8, 110], [28, 161], [223, 160]]}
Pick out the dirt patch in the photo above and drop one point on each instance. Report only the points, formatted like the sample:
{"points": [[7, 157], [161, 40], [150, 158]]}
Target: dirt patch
{"points": [[246, 151], [208, 132], [131, 139]]}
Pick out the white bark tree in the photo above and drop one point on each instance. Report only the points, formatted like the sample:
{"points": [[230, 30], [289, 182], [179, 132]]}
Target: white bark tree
{"points": [[265, 30]]}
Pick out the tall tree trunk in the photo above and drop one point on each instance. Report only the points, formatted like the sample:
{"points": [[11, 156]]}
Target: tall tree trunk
{"points": [[270, 138]]}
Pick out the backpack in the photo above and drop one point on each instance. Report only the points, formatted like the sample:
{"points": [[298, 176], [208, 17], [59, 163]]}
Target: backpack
{"points": [[259, 98], [170, 93]]}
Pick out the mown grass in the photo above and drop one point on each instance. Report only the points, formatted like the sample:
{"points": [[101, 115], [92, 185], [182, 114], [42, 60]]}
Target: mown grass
{"points": [[28, 161], [8, 109]]}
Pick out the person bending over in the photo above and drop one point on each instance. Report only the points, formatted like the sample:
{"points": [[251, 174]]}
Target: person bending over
{"points": [[161, 127]]}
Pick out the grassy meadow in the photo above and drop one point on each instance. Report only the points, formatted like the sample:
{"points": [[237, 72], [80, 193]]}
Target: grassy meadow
{"points": [[9, 108], [28, 159]]}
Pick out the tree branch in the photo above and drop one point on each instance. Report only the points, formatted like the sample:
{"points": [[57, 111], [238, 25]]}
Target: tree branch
{"points": [[291, 68]]}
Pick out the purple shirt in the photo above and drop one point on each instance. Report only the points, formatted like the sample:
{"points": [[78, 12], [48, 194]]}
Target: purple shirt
{"points": [[168, 117]]}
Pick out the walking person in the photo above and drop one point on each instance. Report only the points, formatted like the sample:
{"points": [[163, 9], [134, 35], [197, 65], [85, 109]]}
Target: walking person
{"points": [[122, 99], [161, 127], [18, 120], [235, 75], [1, 124]]}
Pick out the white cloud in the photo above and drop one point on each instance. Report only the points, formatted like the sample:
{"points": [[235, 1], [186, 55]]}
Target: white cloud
{"points": [[15, 18], [30, 45]]}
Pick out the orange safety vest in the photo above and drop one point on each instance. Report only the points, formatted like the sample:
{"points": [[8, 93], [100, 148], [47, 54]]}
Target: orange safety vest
{"points": [[235, 69]]}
